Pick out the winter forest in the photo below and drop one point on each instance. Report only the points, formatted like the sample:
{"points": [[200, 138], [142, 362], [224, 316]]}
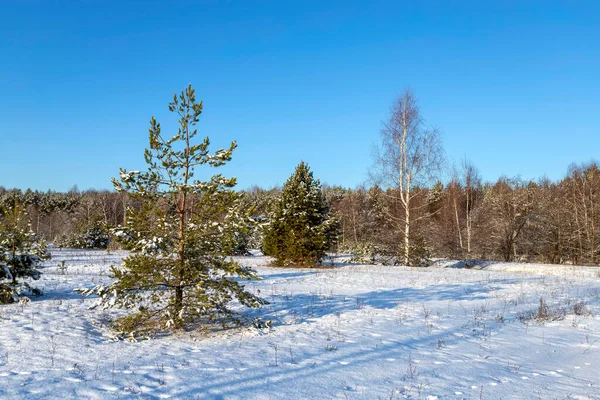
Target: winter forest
{"points": [[181, 255], [530, 221], [411, 269], [453, 213]]}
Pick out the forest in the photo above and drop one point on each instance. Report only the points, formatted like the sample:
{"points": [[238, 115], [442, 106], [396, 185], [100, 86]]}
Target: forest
{"points": [[464, 218]]}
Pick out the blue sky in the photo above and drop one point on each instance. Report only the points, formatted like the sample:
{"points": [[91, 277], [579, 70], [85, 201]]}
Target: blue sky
{"points": [[512, 85]]}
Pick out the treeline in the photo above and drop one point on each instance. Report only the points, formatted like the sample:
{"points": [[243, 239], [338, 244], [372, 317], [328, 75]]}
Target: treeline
{"points": [[509, 220], [79, 219], [464, 218]]}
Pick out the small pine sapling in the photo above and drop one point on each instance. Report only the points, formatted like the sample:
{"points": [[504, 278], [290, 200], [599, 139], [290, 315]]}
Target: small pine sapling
{"points": [[21, 252], [301, 229], [181, 236]]}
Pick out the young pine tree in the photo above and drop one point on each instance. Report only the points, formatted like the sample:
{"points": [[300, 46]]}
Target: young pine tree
{"points": [[179, 270], [21, 252], [301, 229]]}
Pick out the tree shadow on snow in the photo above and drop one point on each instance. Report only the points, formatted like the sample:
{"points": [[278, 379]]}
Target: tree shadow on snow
{"points": [[290, 309], [266, 380]]}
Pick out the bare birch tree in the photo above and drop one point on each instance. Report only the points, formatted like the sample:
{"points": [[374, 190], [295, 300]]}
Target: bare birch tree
{"points": [[471, 181], [409, 159]]}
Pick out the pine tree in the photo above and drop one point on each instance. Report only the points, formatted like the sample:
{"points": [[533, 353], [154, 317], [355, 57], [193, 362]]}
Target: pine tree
{"points": [[301, 229], [179, 270], [21, 251]]}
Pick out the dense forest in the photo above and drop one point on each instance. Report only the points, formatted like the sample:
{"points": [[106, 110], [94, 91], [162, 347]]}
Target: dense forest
{"points": [[464, 218]]}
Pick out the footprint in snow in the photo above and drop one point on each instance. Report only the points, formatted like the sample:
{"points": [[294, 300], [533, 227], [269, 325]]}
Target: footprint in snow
{"points": [[21, 372], [109, 388]]}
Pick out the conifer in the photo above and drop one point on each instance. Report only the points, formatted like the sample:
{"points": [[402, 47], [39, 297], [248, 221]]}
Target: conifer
{"points": [[300, 229], [21, 251], [179, 270]]}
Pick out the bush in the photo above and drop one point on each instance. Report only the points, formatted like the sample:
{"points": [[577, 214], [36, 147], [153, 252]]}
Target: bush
{"points": [[420, 253], [96, 236]]}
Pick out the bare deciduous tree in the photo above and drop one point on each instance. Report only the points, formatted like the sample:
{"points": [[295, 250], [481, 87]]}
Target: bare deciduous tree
{"points": [[584, 186], [471, 181], [509, 206], [409, 159]]}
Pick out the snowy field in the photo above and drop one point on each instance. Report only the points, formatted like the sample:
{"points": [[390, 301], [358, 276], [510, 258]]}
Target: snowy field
{"points": [[347, 332]]}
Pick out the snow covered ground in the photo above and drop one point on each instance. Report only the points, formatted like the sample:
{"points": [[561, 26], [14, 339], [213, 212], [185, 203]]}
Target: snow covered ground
{"points": [[348, 332]]}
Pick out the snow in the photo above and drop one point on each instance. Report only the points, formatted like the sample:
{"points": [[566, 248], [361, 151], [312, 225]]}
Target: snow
{"points": [[346, 331]]}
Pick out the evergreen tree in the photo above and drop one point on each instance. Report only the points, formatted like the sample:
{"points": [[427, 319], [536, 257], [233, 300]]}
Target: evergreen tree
{"points": [[301, 229], [21, 251], [179, 270]]}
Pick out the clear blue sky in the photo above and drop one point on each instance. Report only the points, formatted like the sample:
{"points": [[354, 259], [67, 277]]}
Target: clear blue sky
{"points": [[514, 85]]}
